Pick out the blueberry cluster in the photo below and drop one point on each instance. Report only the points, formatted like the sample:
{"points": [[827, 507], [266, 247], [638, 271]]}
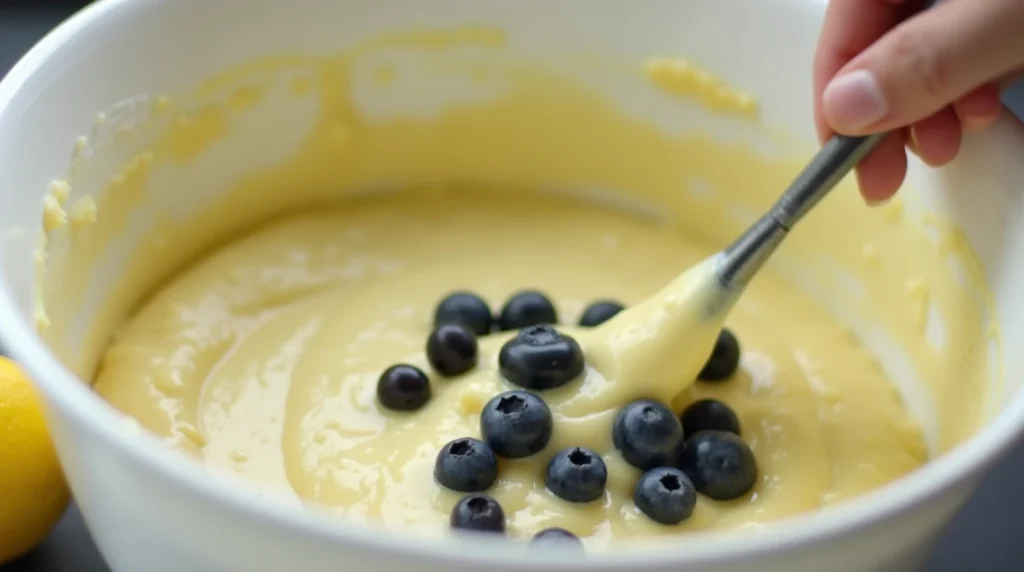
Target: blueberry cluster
{"points": [[451, 351], [700, 451], [523, 309], [538, 358], [697, 452], [516, 424]]}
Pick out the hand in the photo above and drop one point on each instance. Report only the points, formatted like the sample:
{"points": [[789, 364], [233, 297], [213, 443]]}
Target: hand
{"points": [[927, 76]]}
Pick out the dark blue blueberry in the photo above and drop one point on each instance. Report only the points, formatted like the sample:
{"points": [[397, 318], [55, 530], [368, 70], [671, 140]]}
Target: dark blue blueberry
{"points": [[540, 357], [466, 465], [724, 360], [516, 424], [403, 388], [577, 475], [599, 313], [720, 464], [527, 308], [557, 537], [467, 309], [451, 349], [709, 415], [478, 513], [665, 495], [648, 434]]}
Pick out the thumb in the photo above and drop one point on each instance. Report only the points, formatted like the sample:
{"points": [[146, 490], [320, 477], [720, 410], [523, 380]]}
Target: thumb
{"points": [[926, 63]]}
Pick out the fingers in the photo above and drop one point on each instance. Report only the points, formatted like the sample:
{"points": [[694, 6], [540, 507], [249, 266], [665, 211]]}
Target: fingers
{"points": [[980, 108], [881, 173], [915, 71], [850, 27], [936, 139]]}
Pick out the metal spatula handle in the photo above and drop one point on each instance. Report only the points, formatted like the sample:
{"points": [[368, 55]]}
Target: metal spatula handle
{"points": [[744, 257]]}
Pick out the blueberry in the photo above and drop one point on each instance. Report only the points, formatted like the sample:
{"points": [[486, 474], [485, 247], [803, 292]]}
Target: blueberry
{"points": [[467, 309], [466, 465], [479, 513], [665, 495], [403, 388], [577, 475], [720, 464], [451, 349], [724, 360], [516, 424], [556, 537], [709, 415], [648, 434], [527, 308], [540, 357], [599, 313]]}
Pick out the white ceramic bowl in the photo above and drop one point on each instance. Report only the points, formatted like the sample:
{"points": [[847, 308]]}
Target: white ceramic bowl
{"points": [[149, 510]]}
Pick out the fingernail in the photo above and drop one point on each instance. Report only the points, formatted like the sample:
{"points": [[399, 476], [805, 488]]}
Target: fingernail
{"points": [[853, 101], [912, 142], [974, 123]]}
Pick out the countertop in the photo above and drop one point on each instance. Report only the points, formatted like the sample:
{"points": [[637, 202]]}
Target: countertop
{"points": [[988, 526]]}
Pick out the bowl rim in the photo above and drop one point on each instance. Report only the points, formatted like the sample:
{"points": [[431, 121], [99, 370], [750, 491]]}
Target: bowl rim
{"points": [[73, 398]]}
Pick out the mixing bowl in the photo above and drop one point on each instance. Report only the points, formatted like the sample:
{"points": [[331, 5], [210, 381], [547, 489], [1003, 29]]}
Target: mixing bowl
{"points": [[79, 107]]}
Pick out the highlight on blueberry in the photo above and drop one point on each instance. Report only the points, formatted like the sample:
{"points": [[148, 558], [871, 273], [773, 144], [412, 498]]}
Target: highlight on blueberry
{"points": [[577, 475], [516, 424], [540, 357], [600, 312], [720, 464], [558, 538], [452, 349], [479, 513], [709, 415], [467, 309], [527, 308], [466, 465], [648, 434], [666, 495], [403, 387], [724, 360]]}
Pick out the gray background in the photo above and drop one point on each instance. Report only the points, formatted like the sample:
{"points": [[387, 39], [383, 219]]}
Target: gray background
{"points": [[987, 528]]}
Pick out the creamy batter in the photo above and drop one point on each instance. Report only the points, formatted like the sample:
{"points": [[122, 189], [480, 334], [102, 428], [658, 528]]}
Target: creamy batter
{"points": [[260, 357], [264, 358]]}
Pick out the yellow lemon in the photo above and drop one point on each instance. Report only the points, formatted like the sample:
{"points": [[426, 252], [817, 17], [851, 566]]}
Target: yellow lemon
{"points": [[33, 495]]}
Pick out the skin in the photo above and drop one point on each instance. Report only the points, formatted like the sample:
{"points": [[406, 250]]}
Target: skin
{"points": [[940, 70]]}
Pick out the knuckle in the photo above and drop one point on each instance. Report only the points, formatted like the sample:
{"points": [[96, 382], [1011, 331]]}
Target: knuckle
{"points": [[919, 61]]}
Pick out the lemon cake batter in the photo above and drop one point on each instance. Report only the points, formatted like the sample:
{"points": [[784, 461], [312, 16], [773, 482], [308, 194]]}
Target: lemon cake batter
{"points": [[261, 357], [264, 359]]}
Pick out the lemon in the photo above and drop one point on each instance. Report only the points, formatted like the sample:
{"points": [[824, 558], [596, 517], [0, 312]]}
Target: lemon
{"points": [[33, 495]]}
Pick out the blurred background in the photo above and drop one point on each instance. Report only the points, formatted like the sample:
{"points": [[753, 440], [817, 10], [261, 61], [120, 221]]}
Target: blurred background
{"points": [[988, 528]]}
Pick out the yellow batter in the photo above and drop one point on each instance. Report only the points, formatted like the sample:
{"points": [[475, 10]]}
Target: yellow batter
{"points": [[264, 358], [261, 356]]}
